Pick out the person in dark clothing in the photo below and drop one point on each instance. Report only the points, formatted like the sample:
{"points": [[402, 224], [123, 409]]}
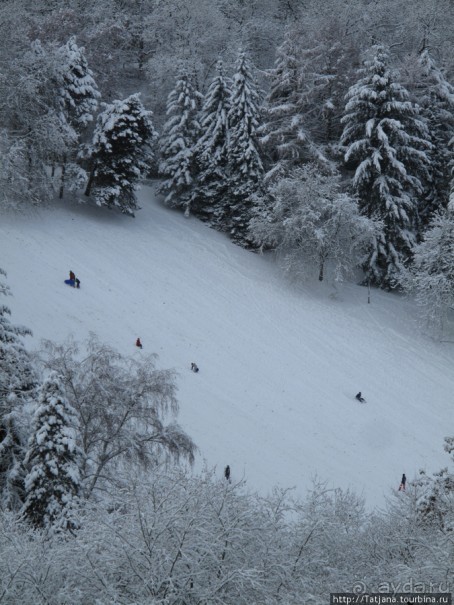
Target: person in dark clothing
{"points": [[194, 367], [227, 472], [138, 343], [403, 482], [77, 283], [360, 398]]}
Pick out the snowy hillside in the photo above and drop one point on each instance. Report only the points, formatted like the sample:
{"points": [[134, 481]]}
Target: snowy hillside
{"points": [[279, 366]]}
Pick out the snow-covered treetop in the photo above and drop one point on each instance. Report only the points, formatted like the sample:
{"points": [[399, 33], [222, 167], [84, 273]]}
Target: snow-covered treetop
{"points": [[123, 119], [439, 84], [79, 91]]}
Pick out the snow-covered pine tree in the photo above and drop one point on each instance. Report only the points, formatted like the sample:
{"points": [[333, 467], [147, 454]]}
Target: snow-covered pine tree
{"points": [[284, 136], [431, 275], [212, 150], [245, 164], [121, 153], [388, 143], [79, 92], [180, 134], [436, 98], [53, 459], [17, 384], [78, 96]]}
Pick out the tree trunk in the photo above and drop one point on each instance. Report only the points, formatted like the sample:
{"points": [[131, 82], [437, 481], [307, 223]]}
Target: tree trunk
{"points": [[320, 273], [62, 179], [90, 182]]}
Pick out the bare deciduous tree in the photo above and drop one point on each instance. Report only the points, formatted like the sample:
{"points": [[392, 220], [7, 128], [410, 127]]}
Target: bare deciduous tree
{"points": [[122, 404]]}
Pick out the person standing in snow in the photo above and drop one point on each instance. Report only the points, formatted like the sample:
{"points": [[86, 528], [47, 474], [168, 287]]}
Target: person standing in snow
{"points": [[402, 483], [77, 282], [72, 276], [138, 343], [227, 473]]}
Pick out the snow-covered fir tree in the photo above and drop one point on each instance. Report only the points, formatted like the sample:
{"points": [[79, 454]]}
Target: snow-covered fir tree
{"points": [[121, 153], [245, 164], [78, 95], [212, 150], [17, 384], [431, 275], [436, 98], [388, 143], [53, 459], [312, 225], [178, 144], [285, 137], [79, 92]]}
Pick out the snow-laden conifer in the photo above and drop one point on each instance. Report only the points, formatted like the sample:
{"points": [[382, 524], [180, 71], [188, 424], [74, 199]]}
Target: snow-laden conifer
{"points": [[79, 92], [78, 96], [245, 164], [53, 459], [387, 142], [120, 153], [212, 149], [180, 135], [436, 98], [285, 137], [17, 384]]}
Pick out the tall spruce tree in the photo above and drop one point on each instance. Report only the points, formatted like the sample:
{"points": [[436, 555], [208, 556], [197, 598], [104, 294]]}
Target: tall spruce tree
{"points": [[53, 459], [245, 164], [212, 150], [121, 153], [285, 137], [17, 384], [180, 133], [78, 94], [388, 143], [436, 98]]}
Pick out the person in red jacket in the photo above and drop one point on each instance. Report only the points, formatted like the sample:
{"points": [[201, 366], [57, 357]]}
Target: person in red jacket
{"points": [[72, 276], [138, 343]]}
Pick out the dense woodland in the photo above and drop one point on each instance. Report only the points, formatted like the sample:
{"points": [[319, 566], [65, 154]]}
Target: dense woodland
{"points": [[322, 133]]}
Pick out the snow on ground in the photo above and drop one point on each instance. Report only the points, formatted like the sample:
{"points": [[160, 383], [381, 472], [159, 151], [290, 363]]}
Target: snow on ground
{"points": [[279, 364]]}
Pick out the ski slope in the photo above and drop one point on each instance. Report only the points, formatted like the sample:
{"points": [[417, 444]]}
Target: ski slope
{"points": [[279, 364]]}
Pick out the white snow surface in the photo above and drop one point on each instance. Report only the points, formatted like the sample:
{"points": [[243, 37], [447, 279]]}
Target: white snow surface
{"points": [[279, 365]]}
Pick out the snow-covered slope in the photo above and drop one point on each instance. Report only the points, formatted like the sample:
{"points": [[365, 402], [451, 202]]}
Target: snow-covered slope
{"points": [[279, 365]]}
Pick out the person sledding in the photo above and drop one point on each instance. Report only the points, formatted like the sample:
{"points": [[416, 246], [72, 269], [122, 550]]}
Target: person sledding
{"points": [[138, 343], [360, 398], [227, 473], [72, 281], [403, 483], [194, 367]]}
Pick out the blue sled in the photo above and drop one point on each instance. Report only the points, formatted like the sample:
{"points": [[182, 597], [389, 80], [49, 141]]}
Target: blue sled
{"points": [[70, 282]]}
